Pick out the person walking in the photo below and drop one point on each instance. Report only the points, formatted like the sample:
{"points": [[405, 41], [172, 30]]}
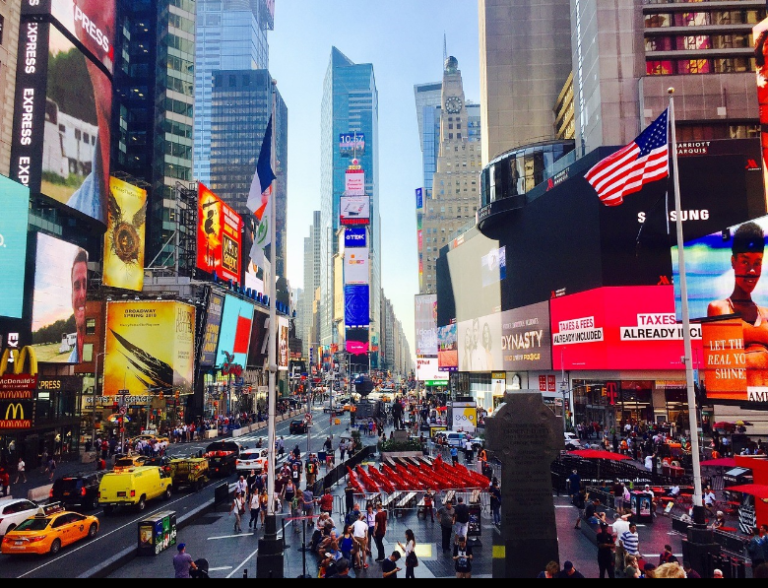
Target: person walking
{"points": [[21, 471], [254, 508], [429, 504], [411, 561], [182, 562], [462, 519], [52, 468], [605, 549], [308, 505], [370, 519], [389, 567], [263, 505], [462, 558], [379, 531], [5, 481], [446, 515], [630, 541], [238, 509], [360, 535], [755, 549], [495, 494]]}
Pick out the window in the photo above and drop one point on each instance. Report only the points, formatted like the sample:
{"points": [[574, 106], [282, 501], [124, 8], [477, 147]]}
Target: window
{"points": [[2, 28], [90, 326]]}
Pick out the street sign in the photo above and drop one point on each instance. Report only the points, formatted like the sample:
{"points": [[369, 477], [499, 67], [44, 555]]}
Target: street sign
{"points": [[123, 392]]}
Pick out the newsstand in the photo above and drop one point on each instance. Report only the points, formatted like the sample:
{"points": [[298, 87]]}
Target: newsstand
{"points": [[157, 533], [642, 507]]}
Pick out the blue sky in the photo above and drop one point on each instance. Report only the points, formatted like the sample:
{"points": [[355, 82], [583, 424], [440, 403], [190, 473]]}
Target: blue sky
{"points": [[403, 39]]}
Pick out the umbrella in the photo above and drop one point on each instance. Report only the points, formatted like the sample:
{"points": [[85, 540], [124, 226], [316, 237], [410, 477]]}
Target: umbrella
{"points": [[723, 462], [756, 490], [597, 454]]}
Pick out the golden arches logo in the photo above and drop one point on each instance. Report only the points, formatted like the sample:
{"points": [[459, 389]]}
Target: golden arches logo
{"points": [[19, 360], [14, 412]]}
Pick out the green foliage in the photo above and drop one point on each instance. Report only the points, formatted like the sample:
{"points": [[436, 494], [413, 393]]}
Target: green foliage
{"points": [[52, 333], [393, 445], [72, 181], [70, 87]]}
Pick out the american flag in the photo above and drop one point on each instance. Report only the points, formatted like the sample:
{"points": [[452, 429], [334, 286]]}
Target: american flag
{"points": [[644, 160]]}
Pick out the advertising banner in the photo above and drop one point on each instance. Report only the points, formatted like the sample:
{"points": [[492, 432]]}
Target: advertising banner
{"points": [[448, 348], [357, 341], [357, 306], [235, 332], [212, 329], [731, 373], [427, 370], [426, 325], [354, 184], [150, 347], [91, 22], [258, 351], [355, 210], [283, 344], [619, 328], [58, 300], [13, 246], [219, 236], [352, 144], [355, 237], [124, 239], [464, 416], [480, 344], [526, 338], [419, 199], [356, 266]]}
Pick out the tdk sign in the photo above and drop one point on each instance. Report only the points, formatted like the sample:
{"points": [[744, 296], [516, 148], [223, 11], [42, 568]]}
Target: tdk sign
{"points": [[355, 237]]}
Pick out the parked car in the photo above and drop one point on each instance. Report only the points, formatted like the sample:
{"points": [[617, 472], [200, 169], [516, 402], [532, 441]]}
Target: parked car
{"points": [[252, 459], [15, 511], [77, 490], [572, 442]]}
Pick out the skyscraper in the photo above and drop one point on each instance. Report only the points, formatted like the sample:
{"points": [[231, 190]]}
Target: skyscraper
{"points": [[311, 283], [9, 42], [231, 34], [349, 104], [428, 100]]}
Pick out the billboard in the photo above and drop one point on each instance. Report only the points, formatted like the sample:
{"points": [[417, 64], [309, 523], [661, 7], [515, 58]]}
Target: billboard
{"points": [[759, 36], [150, 347], [352, 144], [357, 306], [357, 341], [58, 300], [354, 183], [212, 329], [258, 350], [235, 332], [619, 328], [426, 325], [219, 236], [355, 210], [13, 246], [62, 134], [355, 237], [124, 239], [91, 22], [356, 266], [526, 338], [480, 344], [427, 370], [724, 273], [448, 348], [283, 347], [419, 199]]}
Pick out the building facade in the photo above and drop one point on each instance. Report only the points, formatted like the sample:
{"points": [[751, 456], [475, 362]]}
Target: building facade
{"points": [[231, 35], [311, 283], [428, 102], [10, 13]]}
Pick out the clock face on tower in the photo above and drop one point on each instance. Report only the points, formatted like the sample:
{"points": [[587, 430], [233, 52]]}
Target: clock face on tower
{"points": [[453, 104]]}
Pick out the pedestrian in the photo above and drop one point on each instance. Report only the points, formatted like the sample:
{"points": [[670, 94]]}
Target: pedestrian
{"points": [[551, 570], [461, 524], [347, 543], [454, 455], [462, 558], [689, 571], [569, 571], [573, 484], [580, 502], [667, 556], [52, 468], [360, 535], [429, 504], [630, 541], [21, 471], [755, 548], [308, 505], [254, 508], [263, 505], [182, 562], [605, 548], [238, 509], [242, 486], [326, 502], [5, 481], [446, 516], [495, 494], [620, 524], [379, 531], [342, 568], [411, 561], [370, 519], [389, 567], [44, 461]]}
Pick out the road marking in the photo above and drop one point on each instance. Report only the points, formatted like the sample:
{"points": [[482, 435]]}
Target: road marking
{"points": [[220, 569], [245, 561], [230, 536]]}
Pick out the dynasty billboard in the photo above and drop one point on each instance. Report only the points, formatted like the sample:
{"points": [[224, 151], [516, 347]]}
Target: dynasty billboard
{"points": [[619, 329], [62, 135], [13, 246], [219, 236], [58, 300], [212, 329], [235, 332], [426, 325], [124, 239], [150, 347]]}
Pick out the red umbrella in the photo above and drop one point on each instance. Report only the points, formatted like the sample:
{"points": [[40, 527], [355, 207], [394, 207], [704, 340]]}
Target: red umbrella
{"points": [[723, 462], [597, 454], [756, 490]]}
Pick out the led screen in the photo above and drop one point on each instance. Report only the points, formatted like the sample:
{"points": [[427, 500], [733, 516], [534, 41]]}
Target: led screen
{"points": [[219, 236], [235, 332], [258, 351], [212, 330], [480, 344], [355, 210], [13, 246], [355, 237], [427, 371], [357, 306], [356, 266], [448, 348], [124, 239], [357, 341], [283, 348], [426, 325], [59, 297]]}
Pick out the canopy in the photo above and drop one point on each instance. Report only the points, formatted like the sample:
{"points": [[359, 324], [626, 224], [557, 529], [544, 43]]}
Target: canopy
{"points": [[723, 462], [756, 490], [597, 454]]}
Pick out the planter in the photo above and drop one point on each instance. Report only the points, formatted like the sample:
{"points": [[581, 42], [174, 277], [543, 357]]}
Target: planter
{"points": [[386, 454]]}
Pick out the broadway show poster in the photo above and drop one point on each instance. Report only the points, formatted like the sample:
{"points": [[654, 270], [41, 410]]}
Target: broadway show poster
{"points": [[282, 349], [124, 240], [219, 236], [150, 347]]}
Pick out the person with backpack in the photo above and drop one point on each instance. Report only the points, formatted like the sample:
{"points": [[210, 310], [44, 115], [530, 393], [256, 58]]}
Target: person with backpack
{"points": [[462, 558], [580, 502]]}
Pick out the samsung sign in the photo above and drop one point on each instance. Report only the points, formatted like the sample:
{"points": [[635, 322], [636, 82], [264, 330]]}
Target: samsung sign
{"points": [[355, 237]]}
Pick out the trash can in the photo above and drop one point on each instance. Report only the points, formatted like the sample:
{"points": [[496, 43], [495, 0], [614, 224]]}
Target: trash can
{"points": [[322, 456], [157, 533], [642, 507]]}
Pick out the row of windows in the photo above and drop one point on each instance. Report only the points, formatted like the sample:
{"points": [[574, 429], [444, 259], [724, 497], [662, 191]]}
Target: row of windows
{"points": [[177, 128], [699, 66], [696, 42], [183, 24], [187, 5], [179, 107], [713, 17], [181, 44]]}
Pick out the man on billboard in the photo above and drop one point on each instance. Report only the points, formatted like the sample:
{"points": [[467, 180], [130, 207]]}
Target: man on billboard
{"points": [[747, 262], [79, 276]]}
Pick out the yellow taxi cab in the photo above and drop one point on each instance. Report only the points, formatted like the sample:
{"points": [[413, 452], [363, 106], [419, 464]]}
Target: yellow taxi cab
{"points": [[49, 531], [150, 437], [127, 462], [347, 407]]}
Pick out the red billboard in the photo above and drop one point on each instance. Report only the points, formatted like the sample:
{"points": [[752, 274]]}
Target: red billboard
{"points": [[621, 328], [219, 236]]}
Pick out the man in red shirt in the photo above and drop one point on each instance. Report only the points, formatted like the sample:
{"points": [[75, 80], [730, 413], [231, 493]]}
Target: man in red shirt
{"points": [[379, 531], [326, 502]]}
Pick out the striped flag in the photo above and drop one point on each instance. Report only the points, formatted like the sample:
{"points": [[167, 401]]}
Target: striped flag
{"points": [[259, 193], [644, 160]]}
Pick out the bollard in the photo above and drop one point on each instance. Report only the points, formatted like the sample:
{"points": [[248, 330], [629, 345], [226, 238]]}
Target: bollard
{"points": [[245, 573]]}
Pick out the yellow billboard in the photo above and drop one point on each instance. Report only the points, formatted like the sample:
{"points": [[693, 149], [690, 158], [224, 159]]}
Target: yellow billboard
{"points": [[124, 240], [149, 347]]}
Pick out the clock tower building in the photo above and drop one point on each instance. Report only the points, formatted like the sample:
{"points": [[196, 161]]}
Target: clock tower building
{"points": [[455, 195]]}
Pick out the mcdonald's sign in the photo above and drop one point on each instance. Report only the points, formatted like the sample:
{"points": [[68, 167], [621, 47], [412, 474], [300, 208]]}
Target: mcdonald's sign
{"points": [[16, 415], [18, 370]]}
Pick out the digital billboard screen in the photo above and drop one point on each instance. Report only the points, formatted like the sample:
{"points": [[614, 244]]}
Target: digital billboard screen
{"points": [[355, 237], [150, 347], [58, 300], [526, 338], [355, 210], [283, 348], [480, 344], [356, 266], [448, 348], [212, 330], [235, 332], [357, 341], [427, 371], [352, 144], [357, 306], [219, 236], [354, 183], [426, 325], [13, 246], [124, 239], [258, 351], [619, 328]]}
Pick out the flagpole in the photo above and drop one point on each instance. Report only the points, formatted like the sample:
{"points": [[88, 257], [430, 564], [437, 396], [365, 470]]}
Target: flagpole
{"points": [[273, 343], [698, 506]]}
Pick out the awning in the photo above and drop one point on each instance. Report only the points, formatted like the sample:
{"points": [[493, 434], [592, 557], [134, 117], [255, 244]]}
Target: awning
{"points": [[736, 475]]}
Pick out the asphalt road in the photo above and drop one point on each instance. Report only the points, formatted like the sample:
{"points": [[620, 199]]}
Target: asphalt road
{"points": [[120, 530]]}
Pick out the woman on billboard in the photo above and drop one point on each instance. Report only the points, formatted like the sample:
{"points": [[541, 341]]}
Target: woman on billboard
{"points": [[747, 262]]}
